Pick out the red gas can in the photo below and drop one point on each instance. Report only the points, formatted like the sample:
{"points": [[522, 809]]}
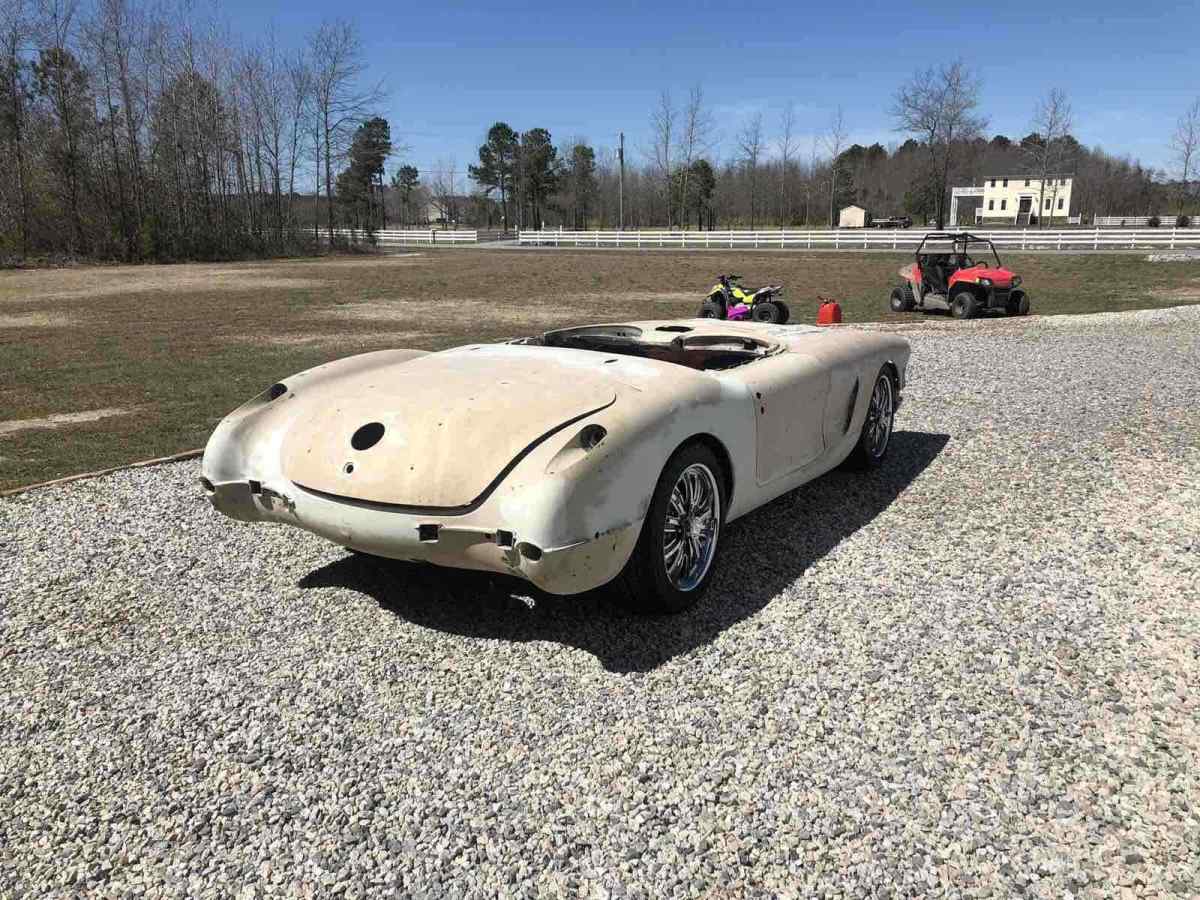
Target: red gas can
{"points": [[830, 312]]}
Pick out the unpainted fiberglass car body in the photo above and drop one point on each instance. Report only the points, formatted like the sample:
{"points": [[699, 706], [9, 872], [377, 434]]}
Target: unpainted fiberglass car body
{"points": [[608, 453]]}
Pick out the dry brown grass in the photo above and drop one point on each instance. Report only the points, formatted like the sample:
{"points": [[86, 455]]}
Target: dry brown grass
{"points": [[179, 346]]}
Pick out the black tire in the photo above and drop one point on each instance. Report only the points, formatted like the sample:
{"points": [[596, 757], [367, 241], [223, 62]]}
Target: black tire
{"points": [[901, 300], [964, 305], [644, 585], [869, 451], [784, 312], [1018, 304], [712, 310], [767, 311]]}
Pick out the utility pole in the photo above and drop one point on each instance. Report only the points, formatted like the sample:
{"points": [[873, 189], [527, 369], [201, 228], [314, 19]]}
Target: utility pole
{"points": [[621, 185]]}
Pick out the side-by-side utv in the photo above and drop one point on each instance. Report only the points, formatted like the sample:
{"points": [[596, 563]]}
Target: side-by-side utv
{"points": [[945, 276]]}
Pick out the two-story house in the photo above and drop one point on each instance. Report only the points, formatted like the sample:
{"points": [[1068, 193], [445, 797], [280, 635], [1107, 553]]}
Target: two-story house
{"points": [[1020, 200]]}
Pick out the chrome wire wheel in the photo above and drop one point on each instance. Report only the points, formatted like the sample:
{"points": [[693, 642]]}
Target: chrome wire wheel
{"points": [[691, 527], [880, 416]]}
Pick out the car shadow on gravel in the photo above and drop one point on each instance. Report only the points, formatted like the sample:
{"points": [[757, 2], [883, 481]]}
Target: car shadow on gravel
{"points": [[762, 554]]}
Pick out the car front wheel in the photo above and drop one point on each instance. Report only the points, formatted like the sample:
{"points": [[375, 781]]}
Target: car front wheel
{"points": [[964, 306], [672, 563]]}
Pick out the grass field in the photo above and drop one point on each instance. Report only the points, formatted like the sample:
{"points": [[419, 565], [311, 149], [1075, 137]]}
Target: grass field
{"points": [[105, 365]]}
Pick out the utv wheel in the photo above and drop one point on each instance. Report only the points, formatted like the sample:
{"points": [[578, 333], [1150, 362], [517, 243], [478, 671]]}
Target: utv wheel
{"points": [[784, 312], [1018, 304], [901, 302], [876, 433], [711, 310], [672, 563], [964, 306], [767, 311]]}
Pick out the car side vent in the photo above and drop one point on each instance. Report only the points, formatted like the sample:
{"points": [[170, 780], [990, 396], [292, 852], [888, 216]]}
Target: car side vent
{"points": [[850, 406]]}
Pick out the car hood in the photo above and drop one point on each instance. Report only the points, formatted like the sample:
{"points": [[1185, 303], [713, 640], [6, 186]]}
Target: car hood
{"points": [[452, 423], [999, 277]]}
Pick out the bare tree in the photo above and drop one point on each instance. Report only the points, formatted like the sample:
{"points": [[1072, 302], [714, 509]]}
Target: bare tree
{"points": [[299, 98], [835, 143], [750, 142], [787, 149], [937, 106], [341, 102], [1185, 146], [694, 142], [15, 28], [1049, 155], [443, 190], [663, 121]]}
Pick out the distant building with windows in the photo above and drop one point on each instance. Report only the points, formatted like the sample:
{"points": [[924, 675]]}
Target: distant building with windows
{"points": [[1020, 200]]}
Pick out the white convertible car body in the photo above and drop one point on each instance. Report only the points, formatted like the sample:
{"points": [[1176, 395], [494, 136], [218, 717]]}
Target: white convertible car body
{"points": [[540, 458]]}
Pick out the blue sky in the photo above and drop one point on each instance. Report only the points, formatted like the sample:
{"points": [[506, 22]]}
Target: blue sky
{"points": [[594, 69]]}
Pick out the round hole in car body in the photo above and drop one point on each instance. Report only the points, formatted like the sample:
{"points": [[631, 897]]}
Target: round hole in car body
{"points": [[367, 436], [591, 436]]}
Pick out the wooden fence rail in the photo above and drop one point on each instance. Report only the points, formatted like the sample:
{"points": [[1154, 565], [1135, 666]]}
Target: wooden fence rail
{"points": [[833, 239], [396, 237]]}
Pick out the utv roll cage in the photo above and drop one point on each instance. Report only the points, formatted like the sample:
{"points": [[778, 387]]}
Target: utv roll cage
{"points": [[959, 242]]}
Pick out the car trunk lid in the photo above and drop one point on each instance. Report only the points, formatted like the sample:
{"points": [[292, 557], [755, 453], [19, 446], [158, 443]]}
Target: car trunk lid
{"points": [[453, 424]]}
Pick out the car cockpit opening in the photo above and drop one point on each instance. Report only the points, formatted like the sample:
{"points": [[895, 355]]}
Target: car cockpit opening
{"points": [[705, 352]]}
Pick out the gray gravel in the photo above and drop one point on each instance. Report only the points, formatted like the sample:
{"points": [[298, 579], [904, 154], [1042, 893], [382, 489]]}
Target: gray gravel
{"points": [[974, 673]]}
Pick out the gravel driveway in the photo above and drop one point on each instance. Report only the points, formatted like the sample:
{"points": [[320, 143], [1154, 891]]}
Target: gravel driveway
{"points": [[975, 672]]}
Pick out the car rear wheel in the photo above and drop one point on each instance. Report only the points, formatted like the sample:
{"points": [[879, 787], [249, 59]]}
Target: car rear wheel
{"points": [[766, 311], [784, 312], [964, 306], [876, 433], [672, 563], [900, 300]]}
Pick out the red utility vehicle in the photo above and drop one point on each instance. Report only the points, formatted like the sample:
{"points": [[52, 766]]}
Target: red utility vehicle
{"points": [[946, 277]]}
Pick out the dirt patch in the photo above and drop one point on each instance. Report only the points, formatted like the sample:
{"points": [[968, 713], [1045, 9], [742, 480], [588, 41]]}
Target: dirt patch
{"points": [[599, 298], [34, 286], [1189, 291], [334, 340], [62, 420], [461, 314], [35, 320], [390, 261]]}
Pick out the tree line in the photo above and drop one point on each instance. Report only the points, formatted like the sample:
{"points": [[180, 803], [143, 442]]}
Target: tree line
{"points": [[135, 135], [771, 179]]}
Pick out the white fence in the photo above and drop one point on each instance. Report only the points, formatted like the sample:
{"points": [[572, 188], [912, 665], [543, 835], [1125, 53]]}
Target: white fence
{"points": [[393, 237], [1167, 221], [866, 239]]}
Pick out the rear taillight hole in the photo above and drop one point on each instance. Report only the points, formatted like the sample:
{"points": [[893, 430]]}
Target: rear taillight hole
{"points": [[367, 436], [591, 436], [275, 391]]}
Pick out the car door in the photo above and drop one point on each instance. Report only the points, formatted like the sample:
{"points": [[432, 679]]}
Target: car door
{"points": [[789, 393]]}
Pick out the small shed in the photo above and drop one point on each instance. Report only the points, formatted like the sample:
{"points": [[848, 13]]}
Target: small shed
{"points": [[853, 217]]}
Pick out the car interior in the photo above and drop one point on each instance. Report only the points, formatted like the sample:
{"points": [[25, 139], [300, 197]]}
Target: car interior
{"points": [[699, 351]]}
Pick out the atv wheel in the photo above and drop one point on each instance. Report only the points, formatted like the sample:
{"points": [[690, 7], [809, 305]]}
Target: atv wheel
{"points": [[900, 301], [673, 561], [711, 310], [965, 306], [876, 432], [784, 312], [1018, 304], [767, 311]]}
